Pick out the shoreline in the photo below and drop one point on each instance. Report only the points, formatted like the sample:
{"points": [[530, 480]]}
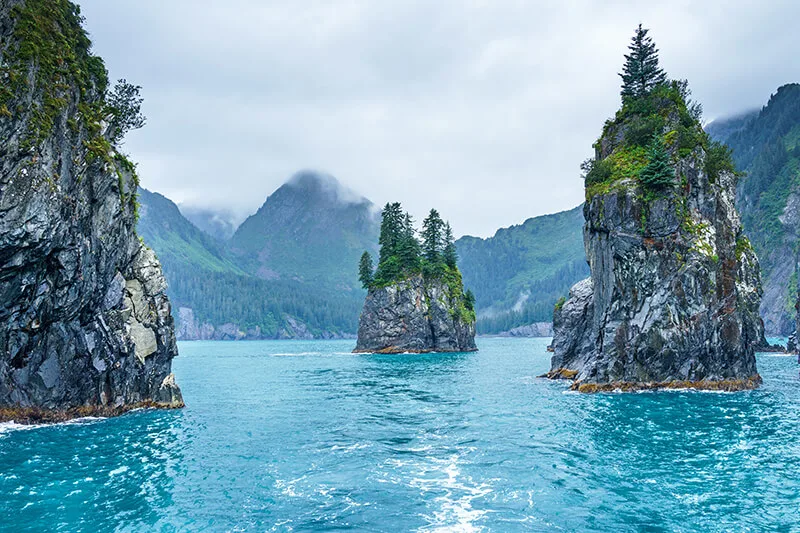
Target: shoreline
{"points": [[723, 385], [39, 415]]}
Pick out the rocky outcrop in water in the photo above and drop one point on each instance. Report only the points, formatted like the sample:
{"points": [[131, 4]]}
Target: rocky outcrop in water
{"points": [[415, 316], [85, 326], [672, 301], [675, 287]]}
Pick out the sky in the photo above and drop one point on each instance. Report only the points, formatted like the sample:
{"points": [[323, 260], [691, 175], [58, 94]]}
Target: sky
{"points": [[483, 109]]}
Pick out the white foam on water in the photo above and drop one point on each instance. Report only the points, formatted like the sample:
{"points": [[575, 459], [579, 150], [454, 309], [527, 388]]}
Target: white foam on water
{"points": [[287, 488], [117, 471], [9, 427], [351, 448], [455, 512]]}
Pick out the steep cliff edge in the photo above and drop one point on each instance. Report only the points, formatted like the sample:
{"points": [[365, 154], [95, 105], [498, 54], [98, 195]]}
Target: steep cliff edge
{"points": [[416, 300], [85, 326], [675, 286]]}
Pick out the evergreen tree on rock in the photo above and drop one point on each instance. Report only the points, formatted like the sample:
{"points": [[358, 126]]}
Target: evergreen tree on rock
{"points": [[391, 229], [365, 270], [641, 72], [659, 172], [432, 237], [408, 250], [450, 254]]}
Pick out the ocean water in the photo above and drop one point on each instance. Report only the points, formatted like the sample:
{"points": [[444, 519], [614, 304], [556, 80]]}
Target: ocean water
{"points": [[304, 436]]}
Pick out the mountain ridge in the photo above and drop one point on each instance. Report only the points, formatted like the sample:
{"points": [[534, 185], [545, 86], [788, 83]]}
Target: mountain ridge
{"points": [[766, 148]]}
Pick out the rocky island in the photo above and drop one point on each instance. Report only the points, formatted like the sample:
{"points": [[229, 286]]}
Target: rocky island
{"points": [[416, 300], [85, 325], [674, 292]]}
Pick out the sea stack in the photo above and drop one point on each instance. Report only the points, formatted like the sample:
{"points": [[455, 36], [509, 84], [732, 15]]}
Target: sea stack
{"points": [[674, 292], [416, 301], [85, 326]]}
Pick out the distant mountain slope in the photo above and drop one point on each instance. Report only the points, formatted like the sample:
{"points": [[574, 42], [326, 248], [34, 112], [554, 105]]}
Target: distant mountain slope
{"points": [[178, 243], [213, 297], [217, 224], [766, 146], [290, 269], [312, 229], [723, 128], [518, 274]]}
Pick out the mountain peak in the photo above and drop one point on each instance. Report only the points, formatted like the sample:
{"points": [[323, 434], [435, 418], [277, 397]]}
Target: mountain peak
{"points": [[322, 185]]}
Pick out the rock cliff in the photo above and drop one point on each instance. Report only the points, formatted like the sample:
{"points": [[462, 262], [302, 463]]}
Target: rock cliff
{"points": [[675, 287], [85, 326], [415, 316]]}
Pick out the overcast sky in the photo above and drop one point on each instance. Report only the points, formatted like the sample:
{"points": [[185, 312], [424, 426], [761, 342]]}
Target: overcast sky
{"points": [[481, 108]]}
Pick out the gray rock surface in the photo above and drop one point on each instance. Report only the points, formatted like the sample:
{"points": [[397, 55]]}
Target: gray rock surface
{"points": [[413, 316], [85, 326], [674, 292], [537, 329]]}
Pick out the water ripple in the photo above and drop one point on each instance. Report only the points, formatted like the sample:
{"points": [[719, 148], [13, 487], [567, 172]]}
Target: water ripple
{"points": [[304, 436]]}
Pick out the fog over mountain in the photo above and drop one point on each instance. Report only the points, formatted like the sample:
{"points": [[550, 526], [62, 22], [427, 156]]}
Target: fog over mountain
{"points": [[488, 107]]}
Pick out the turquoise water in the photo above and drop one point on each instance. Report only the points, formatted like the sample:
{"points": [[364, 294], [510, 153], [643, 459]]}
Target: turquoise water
{"points": [[303, 436]]}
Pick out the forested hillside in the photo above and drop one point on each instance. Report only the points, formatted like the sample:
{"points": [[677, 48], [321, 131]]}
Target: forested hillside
{"points": [[179, 244], [521, 272], [766, 148], [226, 300]]}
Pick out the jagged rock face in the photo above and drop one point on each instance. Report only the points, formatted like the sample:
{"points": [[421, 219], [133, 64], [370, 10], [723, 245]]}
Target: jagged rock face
{"points": [[674, 291], [84, 323], [413, 316]]}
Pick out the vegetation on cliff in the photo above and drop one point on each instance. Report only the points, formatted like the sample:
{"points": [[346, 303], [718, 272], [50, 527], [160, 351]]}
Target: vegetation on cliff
{"points": [[84, 307], [656, 125], [403, 255], [50, 42], [675, 287]]}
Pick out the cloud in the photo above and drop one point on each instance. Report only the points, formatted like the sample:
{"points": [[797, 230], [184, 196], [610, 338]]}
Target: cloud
{"points": [[483, 109]]}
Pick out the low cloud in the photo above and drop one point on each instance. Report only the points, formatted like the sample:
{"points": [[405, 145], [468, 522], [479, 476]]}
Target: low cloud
{"points": [[483, 109]]}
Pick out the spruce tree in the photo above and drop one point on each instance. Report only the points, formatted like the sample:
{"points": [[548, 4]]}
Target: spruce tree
{"points": [[641, 72], [450, 254], [658, 173], [391, 229], [389, 268], [432, 245], [365, 268], [408, 249]]}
